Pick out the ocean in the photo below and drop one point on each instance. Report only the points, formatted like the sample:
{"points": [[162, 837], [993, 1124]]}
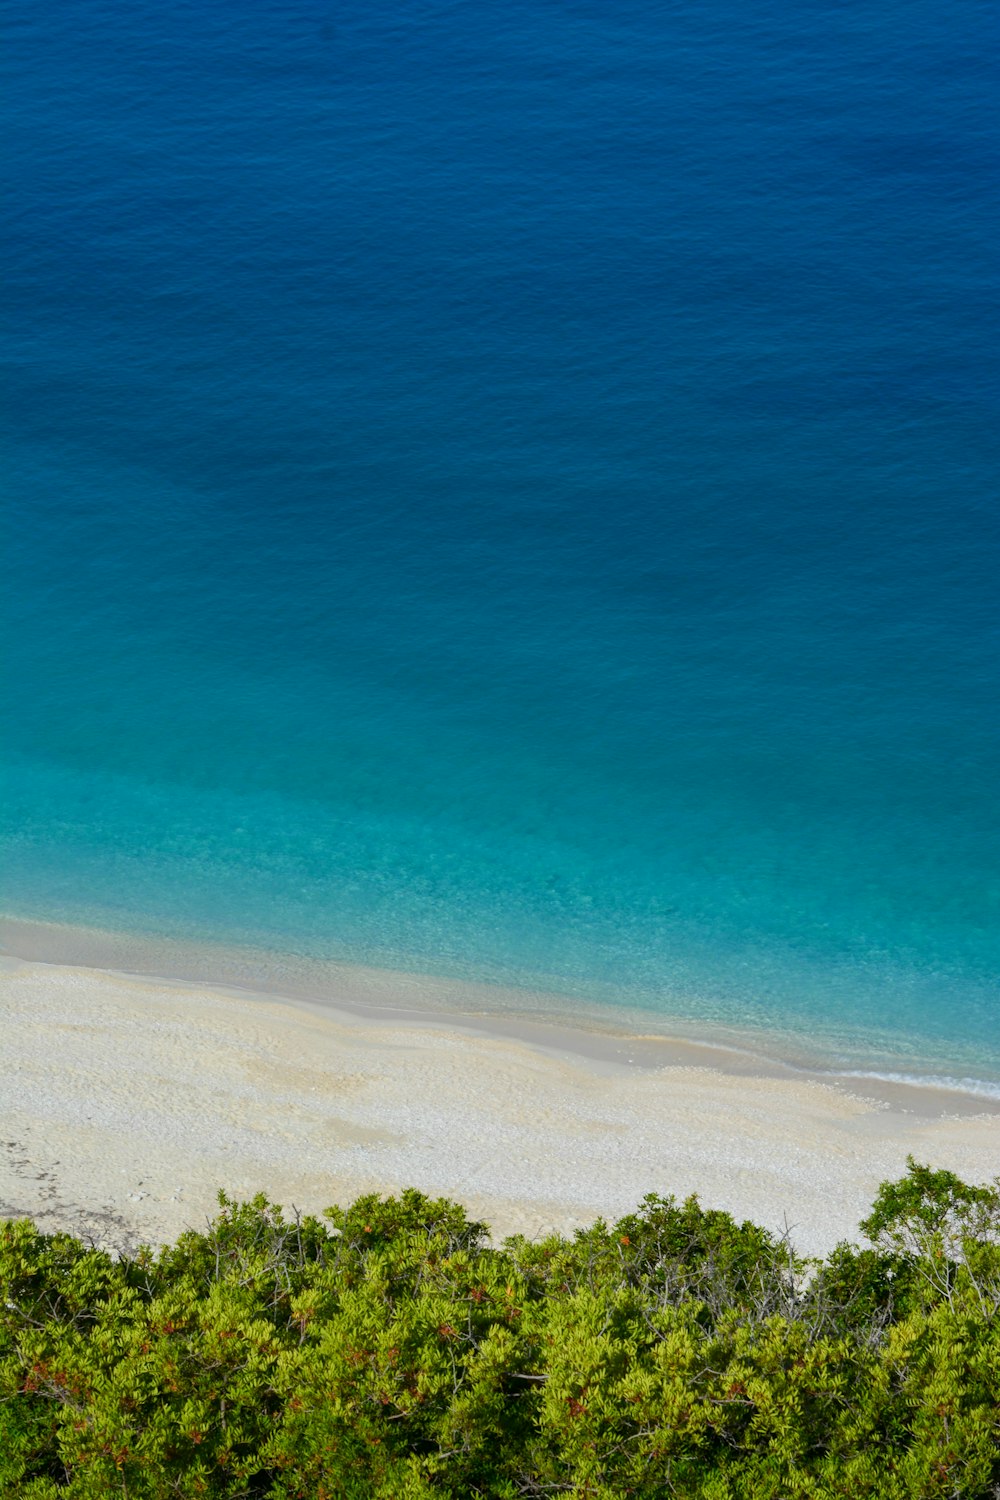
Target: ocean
{"points": [[509, 491]]}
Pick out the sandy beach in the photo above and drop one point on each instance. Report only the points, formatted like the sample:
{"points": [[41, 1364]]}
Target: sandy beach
{"points": [[127, 1102]]}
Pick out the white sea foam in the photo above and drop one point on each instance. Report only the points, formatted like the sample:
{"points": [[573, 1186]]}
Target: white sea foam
{"points": [[979, 1087]]}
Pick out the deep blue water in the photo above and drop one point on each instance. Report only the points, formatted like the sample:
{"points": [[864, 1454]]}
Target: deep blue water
{"points": [[511, 490]]}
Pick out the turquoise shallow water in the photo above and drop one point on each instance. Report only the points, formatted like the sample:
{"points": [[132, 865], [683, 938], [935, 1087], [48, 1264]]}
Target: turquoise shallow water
{"points": [[514, 495]]}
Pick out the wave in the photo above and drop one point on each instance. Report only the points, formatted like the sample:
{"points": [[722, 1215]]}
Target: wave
{"points": [[980, 1088]]}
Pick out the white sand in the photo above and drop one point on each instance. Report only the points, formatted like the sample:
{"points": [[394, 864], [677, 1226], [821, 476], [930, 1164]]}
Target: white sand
{"points": [[126, 1103]]}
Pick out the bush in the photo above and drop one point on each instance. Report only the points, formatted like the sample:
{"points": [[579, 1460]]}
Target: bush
{"points": [[389, 1351]]}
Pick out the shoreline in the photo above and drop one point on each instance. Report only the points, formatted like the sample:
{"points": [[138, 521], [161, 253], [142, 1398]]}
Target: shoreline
{"points": [[537, 1017], [129, 1100]]}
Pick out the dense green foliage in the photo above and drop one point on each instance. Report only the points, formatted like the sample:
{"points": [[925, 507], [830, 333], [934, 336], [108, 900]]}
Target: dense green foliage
{"points": [[391, 1352]]}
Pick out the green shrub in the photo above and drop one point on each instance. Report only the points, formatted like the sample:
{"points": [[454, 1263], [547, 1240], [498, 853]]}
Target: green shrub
{"points": [[388, 1350]]}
